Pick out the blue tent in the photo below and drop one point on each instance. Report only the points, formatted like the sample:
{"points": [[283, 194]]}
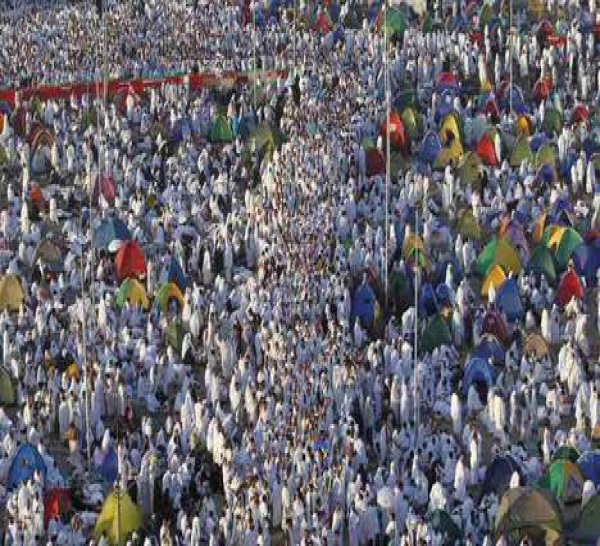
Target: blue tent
{"points": [[586, 260], [443, 295], [440, 268], [109, 230], [518, 101], [428, 303], [363, 305], [109, 469], [430, 148], [589, 464], [498, 475], [176, 274], [477, 371], [26, 462], [537, 141], [490, 348], [508, 300], [569, 161]]}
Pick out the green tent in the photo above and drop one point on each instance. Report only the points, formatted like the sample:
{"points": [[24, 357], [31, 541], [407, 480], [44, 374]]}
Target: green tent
{"points": [[501, 252], [469, 169], [587, 530], [410, 119], [220, 131], [566, 453], [569, 241], [393, 22], [436, 334], [528, 511], [521, 152], [7, 388], [442, 524], [542, 263], [174, 336], [400, 292], [262, 141], [545, 156], [564, 480], [553, 122]]}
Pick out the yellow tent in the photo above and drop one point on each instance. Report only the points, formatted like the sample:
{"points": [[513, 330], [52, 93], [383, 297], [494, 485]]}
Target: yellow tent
{"points": [[133, 291], [468, 225], [449, 126], [169, 291], [535, 345], [11, 293], [119, 516], [538, 228], [495, 278], [450, 155], [523, 125]]}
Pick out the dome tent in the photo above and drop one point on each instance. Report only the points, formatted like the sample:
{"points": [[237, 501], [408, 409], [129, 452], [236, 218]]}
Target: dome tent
{"points": [[25, 463], [118, 519]]}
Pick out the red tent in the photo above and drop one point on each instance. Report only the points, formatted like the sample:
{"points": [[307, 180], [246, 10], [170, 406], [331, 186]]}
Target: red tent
{"points": [[447, 79], [322, 24], [580, 114], [487, 151], [541, 89], [570, 287], [546, 31], [491, 109], [129, 261], [57, 503], [106, 187], [375, 162], [494, 323], [397, 134]]}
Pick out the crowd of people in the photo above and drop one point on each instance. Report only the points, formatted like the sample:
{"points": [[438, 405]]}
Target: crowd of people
{"points": [[352, 302]]}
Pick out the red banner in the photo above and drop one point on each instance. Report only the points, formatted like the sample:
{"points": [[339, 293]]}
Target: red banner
{"points": [[196, 81]]}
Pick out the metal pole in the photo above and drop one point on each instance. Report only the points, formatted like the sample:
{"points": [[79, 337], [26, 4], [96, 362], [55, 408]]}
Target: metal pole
{"points": [[511, 51], [387, 161], [254, 56], [416, 347], [294, 42], [84, 356]]}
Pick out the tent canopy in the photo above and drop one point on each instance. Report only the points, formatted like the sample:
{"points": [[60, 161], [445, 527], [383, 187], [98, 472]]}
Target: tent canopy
{"points": [[130, 261], [11, 293], [168, 293], [564, 480], [541, 264], [499, 251], [7, 388], [133, 291], [109, 230], [119, 516], [436, 334], [57, 505], [508, 300], [363, 304], [570, 287], [26, 462], [478, 370], [498, 475]]}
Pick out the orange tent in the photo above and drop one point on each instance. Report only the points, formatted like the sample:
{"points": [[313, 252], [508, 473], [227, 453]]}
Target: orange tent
{"points": [[487, 151], [397, 133], [129, 261]]}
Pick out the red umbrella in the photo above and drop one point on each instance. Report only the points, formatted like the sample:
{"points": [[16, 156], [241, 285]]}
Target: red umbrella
{"points": [[570, 287], [397, 134], [129, 261]]}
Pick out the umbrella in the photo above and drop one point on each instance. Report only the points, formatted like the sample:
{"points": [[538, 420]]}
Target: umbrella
{"points": [[130, 261]]}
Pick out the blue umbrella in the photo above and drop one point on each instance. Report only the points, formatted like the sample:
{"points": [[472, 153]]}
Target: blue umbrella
{"points": [[109, 230], [589, 464]]}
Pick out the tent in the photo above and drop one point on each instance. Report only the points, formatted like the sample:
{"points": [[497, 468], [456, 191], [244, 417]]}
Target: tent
{"points": [[176, 274], [508, 300], [428, 302], [566, 453], [499, 251], [174, 336], [167, 293], [586, 260], [477, 371], [436, 334], [469, 170], [410, 121], [118, 519], [25, 463], [57, 505], [545, 156], [104, 186], [589, 464], [130, 261], [7, 389], [450, 155], [11, 293], [392, 21], [521, 152], [569, 287], [494, 323], [443, 525], [431, 146], [553, 122], [495, 278], [525, 510], [220, 131], [564, 480], [363, 305], [541, 90], [587, 528], [133, 291], [48, 255], [397, 133], [535, 345], [489, 348], [109, 230], [486, 150], [563, 242], [542, 263], [450, 128], [375, 162], [498, 475]]}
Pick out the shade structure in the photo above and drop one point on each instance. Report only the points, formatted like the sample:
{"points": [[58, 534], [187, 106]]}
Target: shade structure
{"points": [[130, 261], [508, 300], [486, 150], [57, 504], [168, 292], [541, 264], [375, 162], [118, 519], [587, 529], [478, 372], [564, 480], [133, 291], [444, 526], [25, 463], [11, 293], [563, 243], [468, 225], [436, 334], [525, 509], [589, 464], [7, 388], [220, 131], [498, 252], [176, 274], [396, 130], [48, 254], [490, 348], [566, 453], [495, 324], [109, 230], [498, 475]]}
